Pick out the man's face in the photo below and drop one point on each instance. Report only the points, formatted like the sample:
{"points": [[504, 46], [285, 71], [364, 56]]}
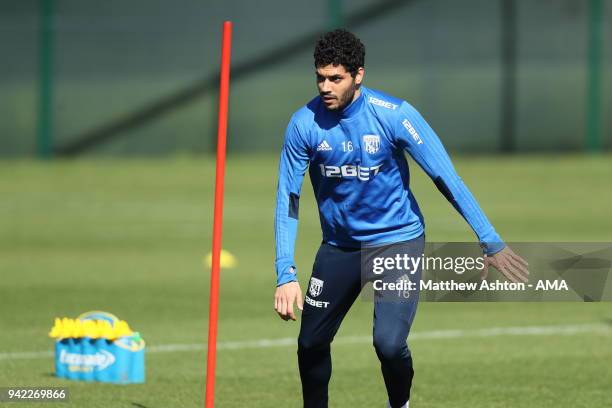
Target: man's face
{"points": [[336, 85]]}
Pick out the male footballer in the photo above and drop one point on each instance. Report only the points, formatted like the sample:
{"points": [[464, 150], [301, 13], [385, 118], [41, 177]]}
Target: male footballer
{"points": [[353, 140]]}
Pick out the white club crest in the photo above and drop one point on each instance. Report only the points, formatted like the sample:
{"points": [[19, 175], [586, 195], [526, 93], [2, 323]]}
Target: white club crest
{"points": [[371, 143], [316, 286]]}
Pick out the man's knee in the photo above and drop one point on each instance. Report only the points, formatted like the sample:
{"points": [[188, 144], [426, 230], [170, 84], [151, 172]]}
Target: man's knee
{"points": [[388, 349], [308, 343]]}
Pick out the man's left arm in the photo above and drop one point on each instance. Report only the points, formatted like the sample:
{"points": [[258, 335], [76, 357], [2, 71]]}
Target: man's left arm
{"points": [[415, 135]]}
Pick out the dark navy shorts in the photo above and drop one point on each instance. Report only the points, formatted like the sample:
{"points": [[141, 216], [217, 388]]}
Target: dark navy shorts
{"points": [[338, 277]]}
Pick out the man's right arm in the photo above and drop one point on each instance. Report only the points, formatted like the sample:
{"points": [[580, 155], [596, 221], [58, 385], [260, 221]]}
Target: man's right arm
{"points": [[292, 167]]}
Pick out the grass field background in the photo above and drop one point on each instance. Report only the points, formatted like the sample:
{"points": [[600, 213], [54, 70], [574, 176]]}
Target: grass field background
{"points": [[129, 237]]}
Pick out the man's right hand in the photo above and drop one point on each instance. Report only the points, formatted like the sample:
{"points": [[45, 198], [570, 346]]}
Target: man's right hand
{"points": [[284, 298]]}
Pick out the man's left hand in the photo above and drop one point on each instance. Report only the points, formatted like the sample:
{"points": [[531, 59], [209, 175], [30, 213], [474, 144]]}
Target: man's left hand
{"points": [[509, 264]]}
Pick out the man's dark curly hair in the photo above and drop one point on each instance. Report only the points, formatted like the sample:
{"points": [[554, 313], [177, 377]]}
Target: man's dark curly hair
{"points": [[340, 47]]}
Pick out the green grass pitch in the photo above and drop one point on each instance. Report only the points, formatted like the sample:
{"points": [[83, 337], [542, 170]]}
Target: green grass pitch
{"points": [[129, 236]]}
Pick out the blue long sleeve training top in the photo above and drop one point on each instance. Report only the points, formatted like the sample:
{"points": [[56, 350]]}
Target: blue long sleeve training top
{"points": [[360, 176]]}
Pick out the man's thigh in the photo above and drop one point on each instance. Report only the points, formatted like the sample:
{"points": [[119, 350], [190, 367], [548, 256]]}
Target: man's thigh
{"points": [[332, 289], [395, 304]]}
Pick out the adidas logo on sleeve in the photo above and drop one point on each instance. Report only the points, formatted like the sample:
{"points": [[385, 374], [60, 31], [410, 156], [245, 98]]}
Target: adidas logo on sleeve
{"points": [[324, 146]]}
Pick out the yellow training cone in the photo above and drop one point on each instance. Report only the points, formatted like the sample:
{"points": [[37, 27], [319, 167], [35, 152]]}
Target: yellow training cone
{"points": [[56, 330], [227, 259], [105, 329], [90, 329], [121, 329]]}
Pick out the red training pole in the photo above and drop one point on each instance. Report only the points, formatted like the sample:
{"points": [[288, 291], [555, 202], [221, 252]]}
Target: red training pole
{"points": [[218, 217]]}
